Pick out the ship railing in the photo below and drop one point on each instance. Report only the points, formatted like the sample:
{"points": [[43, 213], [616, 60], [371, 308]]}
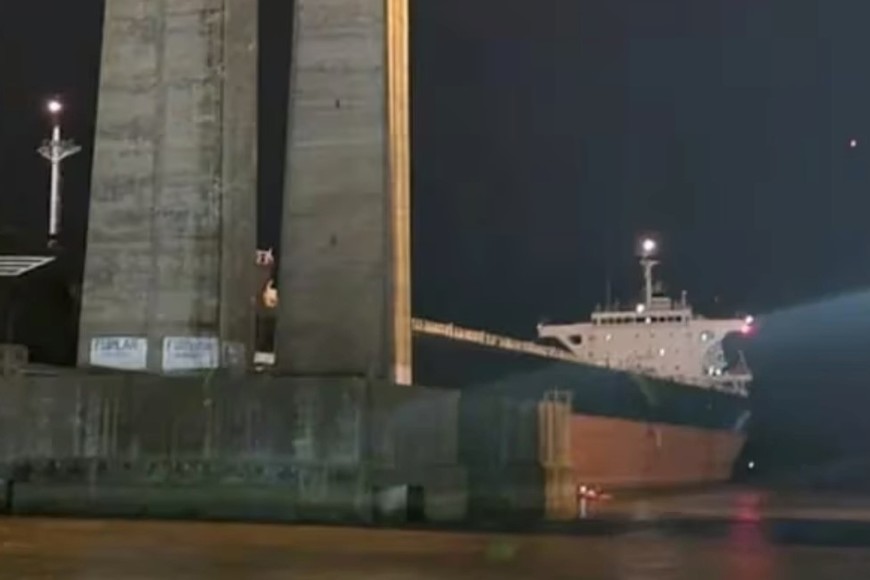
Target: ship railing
{"points": [[729, 384], [454, 332]]}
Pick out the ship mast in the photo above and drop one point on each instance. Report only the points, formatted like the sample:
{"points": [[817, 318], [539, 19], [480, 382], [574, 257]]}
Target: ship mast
{"points": [[648, 249]]}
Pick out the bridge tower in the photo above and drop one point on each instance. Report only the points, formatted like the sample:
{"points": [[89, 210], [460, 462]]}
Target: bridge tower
{"points": [[344, 279], [168, 281]]}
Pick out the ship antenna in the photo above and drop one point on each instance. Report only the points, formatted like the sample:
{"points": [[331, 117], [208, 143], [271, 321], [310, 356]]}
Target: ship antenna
{"points": [[608, 291], [647, 250]]}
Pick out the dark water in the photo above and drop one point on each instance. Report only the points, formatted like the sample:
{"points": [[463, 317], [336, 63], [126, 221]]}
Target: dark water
{"points": [[117, 550]]}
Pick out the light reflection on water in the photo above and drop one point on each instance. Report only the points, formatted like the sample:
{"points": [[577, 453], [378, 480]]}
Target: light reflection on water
{"points": [[750, 555]]}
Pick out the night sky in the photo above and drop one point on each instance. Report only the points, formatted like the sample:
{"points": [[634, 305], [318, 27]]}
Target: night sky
{"points": [[548, 134]]}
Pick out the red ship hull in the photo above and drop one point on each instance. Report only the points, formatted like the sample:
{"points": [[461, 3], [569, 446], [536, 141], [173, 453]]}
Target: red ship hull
{"points": [[618, 453]]}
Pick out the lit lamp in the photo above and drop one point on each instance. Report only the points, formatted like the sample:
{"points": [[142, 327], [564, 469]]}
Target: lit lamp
{"points": [[56, 150], [648, 248]]}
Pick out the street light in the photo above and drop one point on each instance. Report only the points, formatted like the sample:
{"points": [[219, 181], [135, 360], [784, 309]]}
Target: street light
{"points": [[56, 150], [648, 246]]}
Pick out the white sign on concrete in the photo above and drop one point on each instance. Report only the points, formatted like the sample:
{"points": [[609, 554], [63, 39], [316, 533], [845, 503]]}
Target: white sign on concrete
{"points": [[120, 352], [190, 353]]}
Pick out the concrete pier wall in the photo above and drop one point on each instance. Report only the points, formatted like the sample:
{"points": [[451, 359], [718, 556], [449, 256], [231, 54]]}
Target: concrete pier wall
{"points": [[323, 448], [317, 448]]}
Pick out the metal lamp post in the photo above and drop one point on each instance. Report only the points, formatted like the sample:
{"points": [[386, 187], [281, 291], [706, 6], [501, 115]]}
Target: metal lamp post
{"points": [[56, 150]]}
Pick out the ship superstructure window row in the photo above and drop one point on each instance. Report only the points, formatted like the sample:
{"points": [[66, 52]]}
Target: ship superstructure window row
{"points": [[640, 320]]}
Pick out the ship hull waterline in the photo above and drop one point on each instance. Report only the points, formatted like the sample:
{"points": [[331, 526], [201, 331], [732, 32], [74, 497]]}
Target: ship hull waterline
{"points": [[626, 431]]}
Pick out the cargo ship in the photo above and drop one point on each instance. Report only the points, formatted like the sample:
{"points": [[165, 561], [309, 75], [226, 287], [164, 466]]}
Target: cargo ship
{"points": [[654, 398]]}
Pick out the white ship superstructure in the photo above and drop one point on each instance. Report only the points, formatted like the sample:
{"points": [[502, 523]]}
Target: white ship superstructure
{"points": [[657, 337]]}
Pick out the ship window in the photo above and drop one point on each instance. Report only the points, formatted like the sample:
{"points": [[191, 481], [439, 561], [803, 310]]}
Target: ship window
{"points": [[576, 339]]}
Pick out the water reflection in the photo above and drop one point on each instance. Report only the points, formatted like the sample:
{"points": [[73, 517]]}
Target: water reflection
{"points": [[650, 555], [749, 553], [124, 550]]}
